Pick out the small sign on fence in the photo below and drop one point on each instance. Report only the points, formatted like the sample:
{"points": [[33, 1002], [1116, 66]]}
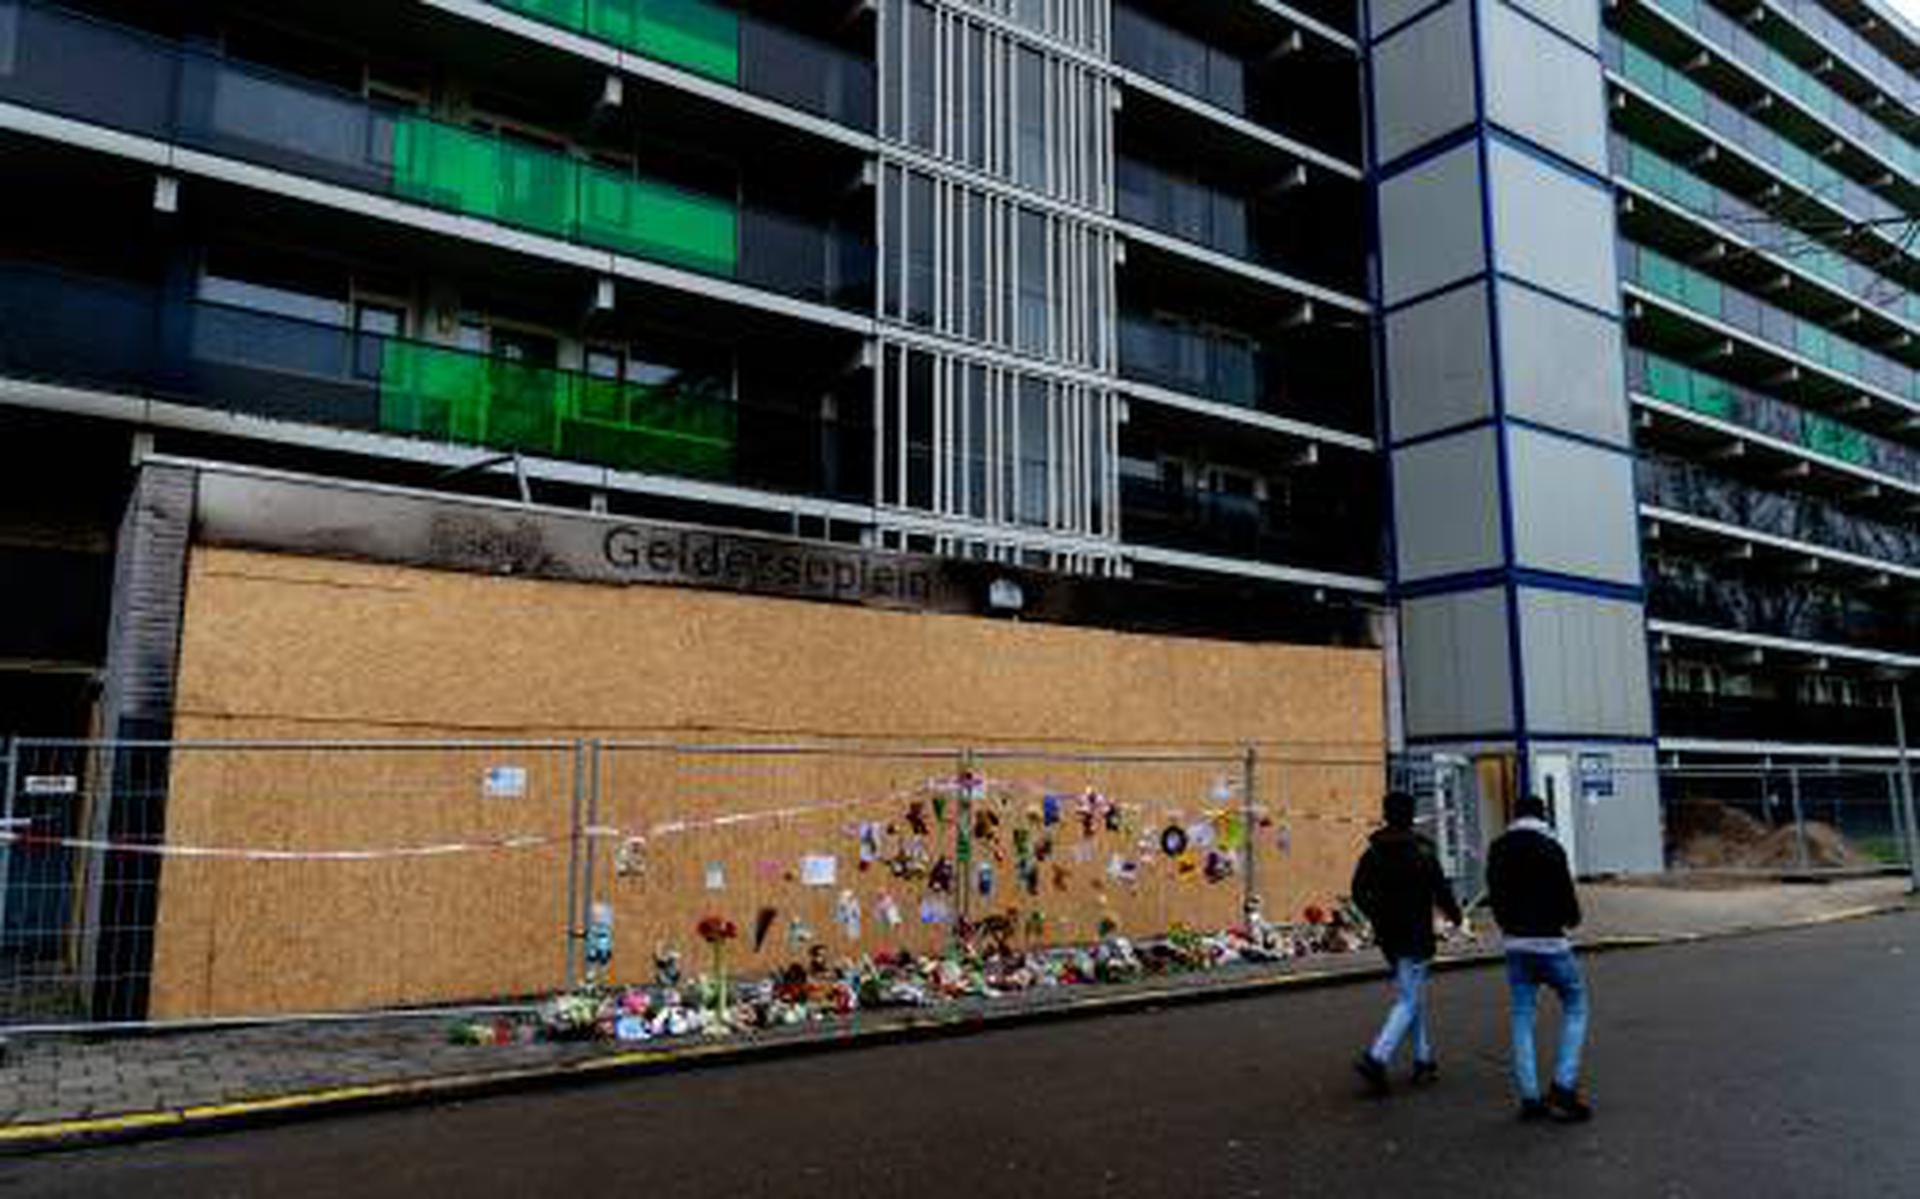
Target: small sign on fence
{"points": [[505, 782], [50, 784]]}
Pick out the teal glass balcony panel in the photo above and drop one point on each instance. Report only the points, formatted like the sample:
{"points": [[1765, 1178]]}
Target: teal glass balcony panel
{"points": [[1805, 169], [1701, 293], [1671, 181], [1726, 35], [1664, 379], [1837, 37]]}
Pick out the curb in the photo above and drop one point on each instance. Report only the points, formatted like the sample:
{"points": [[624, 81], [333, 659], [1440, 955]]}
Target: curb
{"points": [[206, 1119]]}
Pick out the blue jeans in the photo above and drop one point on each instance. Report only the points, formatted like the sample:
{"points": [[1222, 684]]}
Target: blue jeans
{"points": [[1409, 1012], [1526, 973]]}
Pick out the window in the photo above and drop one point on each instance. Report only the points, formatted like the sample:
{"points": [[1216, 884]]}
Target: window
{"points": [[1030, 115], [1033, 296], [526, 348]]}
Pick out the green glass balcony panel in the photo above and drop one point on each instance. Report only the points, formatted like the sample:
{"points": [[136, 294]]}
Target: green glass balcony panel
{"points": [[700, 36], [1662, 275], [1643, 69], [1811, 340], [1833, 439], [537, 189], [1843, 356], [433, 393], [446, 167], [1700, 293], [1669, 381], [1687, 96], [654, 221], [571, 14], [1715, 397], [453, 395]]}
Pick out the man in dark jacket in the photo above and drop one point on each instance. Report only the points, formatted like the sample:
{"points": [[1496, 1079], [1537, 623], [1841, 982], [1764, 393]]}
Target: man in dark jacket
{"points": [[1397, 885], [1535, 904]]}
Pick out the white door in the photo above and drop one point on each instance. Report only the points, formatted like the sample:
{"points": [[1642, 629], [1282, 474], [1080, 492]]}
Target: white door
{"points": [[1553, 782]]}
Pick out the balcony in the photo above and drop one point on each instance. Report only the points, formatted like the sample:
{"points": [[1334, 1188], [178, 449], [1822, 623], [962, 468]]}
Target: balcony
{"points": [[1692, 592], [1774, 240], [1806, 169], [1285, 93], [1309, 383], [121, 336], [1684, 487], [1303, 232], [1793, 337], [719, 43], [1664, 379], [1741, 718], [1760, 67], [1314, 536], [127, 81]]}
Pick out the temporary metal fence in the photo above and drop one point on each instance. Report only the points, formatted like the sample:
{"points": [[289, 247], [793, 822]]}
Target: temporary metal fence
{"points": [[1794, 818], [163, 883]]}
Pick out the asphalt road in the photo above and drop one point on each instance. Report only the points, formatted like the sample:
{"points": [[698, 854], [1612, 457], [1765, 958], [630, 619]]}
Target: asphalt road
{"points": [[1783, 1065]]}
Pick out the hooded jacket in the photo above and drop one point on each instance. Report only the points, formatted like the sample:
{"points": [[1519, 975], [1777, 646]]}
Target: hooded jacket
{"points": [[1397, 885]]}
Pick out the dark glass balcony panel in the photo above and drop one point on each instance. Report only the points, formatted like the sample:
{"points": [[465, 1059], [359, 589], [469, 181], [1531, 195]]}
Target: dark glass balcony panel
{"points": [[1319, 381], [1693, 592], [721, 43], [1312, 534], [101, 73], [121, 336], [1741, 718], [1287, 96], [1686, 487]]}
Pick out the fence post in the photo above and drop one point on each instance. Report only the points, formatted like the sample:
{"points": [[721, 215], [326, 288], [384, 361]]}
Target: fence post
{"points": [[575, 835], [9, 778], [1901, 844], [963, 846], [1250, 829], [1799, 818], [1906, 790]]}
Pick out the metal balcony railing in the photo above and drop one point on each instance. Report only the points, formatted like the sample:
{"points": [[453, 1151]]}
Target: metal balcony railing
{"points": [[1664, 379], [109, 75], [718, 42], [1684, 487], [1237, 526], [112, 334]]}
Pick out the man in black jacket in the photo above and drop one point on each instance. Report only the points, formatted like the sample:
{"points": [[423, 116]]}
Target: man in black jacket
{"points": [[1535, 904], [1397, 885]]}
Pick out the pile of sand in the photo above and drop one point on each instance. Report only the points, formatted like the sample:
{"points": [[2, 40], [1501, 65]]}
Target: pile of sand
{"points": [[1713, 836]]}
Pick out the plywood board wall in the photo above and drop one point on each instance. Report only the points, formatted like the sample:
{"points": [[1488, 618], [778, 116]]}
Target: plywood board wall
{"points": [[308, 648]]}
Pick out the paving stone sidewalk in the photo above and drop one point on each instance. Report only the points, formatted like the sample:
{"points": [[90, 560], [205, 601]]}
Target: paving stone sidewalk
{"points": [[48, 1080]]}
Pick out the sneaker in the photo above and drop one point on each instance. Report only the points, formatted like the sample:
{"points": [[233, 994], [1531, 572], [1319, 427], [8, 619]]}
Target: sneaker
{"points": [[1425, 1073], [1374, 1071], [1567, 1106], [1532, 1110]]}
